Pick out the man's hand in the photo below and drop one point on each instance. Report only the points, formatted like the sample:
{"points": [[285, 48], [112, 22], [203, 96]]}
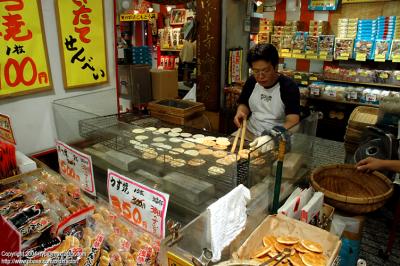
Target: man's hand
{"points": [[371, 164], [260, 141], [241, 114]]}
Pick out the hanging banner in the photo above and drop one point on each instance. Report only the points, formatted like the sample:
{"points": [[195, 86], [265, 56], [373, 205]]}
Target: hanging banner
{"points": [[81, 33], [6, 132], [77, 166], [139, 204], [24, 66]]}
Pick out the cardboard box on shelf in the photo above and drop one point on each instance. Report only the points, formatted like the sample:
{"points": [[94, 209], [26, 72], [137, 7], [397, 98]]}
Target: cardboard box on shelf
{"points": [[164, 84]]}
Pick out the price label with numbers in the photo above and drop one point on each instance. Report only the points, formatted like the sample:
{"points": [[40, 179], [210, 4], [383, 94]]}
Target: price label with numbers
{"points": [[77, 166], [396, 58], [6, 132], [139, 204]]}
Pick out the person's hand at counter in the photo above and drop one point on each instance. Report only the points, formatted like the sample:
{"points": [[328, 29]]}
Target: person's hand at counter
{"points": [[372, 164], [241, 114]]}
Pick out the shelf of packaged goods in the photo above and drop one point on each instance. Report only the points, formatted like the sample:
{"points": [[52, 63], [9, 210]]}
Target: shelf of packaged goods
{"points": [[305, 58], [344, 102], [382, 85]]}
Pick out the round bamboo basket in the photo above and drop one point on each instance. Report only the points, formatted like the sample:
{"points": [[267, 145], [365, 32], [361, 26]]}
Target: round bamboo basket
{"points": [[350, 190]]}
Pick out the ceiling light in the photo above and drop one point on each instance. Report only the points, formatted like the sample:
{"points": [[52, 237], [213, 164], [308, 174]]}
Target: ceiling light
{"points": [[169, 8], [135, 11], [259, 3], [150, 9]]}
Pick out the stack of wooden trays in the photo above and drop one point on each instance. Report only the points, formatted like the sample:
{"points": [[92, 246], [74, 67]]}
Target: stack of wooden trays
{"points": [[360, 118]]}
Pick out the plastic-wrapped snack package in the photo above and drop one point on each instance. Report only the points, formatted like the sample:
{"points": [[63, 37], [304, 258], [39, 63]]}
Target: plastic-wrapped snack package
{"points": [[343, 48], [363, 49], [326, 46], [299, 42], [312, 46], [381, 50], [286, 45], [395, 51], [276, 41]]}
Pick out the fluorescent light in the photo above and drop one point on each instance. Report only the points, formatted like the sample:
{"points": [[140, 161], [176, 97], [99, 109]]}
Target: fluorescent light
{"points": [[259, 3]]}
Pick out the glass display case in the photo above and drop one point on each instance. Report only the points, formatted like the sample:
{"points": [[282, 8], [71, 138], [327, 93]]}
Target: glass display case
{"points": [[185, 162]]}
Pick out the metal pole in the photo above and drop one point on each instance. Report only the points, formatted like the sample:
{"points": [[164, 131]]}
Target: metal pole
{"points": [[278, 175]]}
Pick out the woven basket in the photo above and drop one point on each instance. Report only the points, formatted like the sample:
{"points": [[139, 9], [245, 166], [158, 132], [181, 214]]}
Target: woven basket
{"points": [[350, 190], [363, 116]]}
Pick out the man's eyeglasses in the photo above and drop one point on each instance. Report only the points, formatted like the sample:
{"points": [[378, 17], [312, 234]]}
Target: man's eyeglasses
{"points": [[260, 72]]}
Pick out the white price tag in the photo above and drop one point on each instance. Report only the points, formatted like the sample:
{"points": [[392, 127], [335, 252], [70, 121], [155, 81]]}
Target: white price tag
{"points": [[315, 91], [332, 94], [77, 166], [370, 97], [139, 204], [353, 95]]}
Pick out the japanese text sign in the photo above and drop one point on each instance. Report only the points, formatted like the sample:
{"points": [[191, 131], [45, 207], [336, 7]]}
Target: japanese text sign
{"points": [[138, 203], [6, 132], [24, 66], [138, 17], [77, 166], [82, 42]]}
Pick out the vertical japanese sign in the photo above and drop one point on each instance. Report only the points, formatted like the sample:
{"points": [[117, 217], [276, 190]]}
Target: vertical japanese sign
{"points": [[82, 42], [24, 66], [138, 203], [6, 131], [77, 166]]}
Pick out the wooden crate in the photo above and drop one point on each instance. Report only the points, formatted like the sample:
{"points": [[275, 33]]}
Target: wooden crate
{"points": [[176, 111]]}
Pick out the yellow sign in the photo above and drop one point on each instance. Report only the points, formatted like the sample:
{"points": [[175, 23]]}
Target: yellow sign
{"points": [[311, 57], [299, 56], [24, 66], [361, 57], [380, 58], [396, 58], [138, 17], [174, 260], [82, 42]]}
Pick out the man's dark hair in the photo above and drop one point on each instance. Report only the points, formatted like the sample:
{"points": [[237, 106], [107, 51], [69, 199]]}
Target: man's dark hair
{"points": [[265, 51]]}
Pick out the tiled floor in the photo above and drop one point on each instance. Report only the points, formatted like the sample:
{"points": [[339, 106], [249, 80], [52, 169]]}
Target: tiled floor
{"points": [[377, 224]]}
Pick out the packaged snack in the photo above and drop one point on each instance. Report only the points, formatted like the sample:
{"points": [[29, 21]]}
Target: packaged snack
{"points": [[325, 46], [299, 42], [9, 195], [395, 51], [286, 45], [10, 208], [363, 49], [276, 41], [26, 214], [343, 48], [381, 51], [312, 45]]}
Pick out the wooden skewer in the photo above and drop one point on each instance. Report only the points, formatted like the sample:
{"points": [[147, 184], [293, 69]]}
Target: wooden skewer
{"points": [[236, 140], [244, 129]]}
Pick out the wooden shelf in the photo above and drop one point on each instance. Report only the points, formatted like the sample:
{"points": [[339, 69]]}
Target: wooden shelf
{"points": [[344, 102], [170, 50], [364, 83]]}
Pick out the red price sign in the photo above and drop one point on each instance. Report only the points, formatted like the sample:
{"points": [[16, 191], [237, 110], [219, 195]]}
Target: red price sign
{"points": [[77, 166], [139, 204]]}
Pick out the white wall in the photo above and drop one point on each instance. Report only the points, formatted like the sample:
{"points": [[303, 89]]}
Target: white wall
{"points": [[32, 115]]}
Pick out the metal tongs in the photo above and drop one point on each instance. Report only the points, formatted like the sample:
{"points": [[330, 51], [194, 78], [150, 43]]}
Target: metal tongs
{"points": [[278, 258]]}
